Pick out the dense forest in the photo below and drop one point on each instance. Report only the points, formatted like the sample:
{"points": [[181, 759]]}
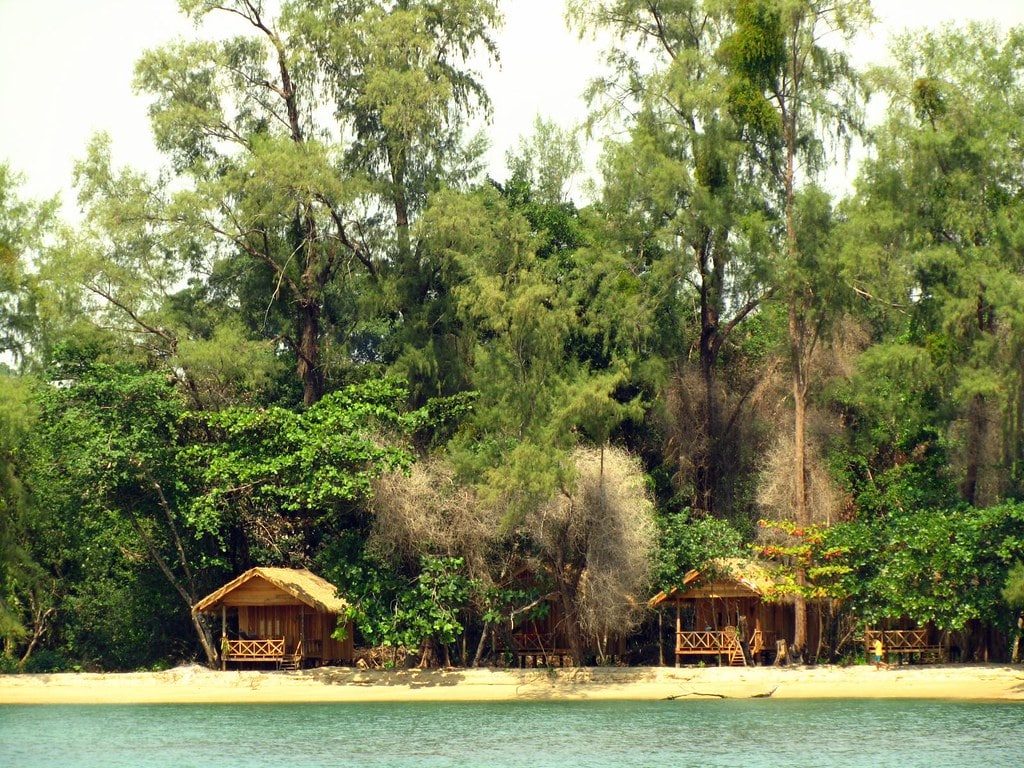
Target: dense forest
{"points": [[321, 337]]}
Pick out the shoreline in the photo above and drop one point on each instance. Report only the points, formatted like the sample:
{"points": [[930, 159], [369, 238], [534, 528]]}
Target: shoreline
{"points": [[198, 685]]}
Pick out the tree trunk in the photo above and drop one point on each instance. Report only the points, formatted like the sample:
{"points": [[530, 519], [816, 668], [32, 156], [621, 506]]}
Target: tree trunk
{"points": [[482, 645], [706, 460], [577, 647], [801, 511], [40, 616], [706, 470], [205, 639], [309, 369], [402, 233]]}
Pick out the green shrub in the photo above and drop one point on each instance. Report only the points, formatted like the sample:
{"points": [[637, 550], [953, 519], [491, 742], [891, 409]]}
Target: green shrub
{"points": [[45, 660]]}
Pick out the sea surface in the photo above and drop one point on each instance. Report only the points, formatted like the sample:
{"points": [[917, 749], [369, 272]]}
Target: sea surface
{"points": [[749, 734]]}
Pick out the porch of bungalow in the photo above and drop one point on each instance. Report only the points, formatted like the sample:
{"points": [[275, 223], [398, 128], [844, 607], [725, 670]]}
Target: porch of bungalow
{"points": [[907, 644]]}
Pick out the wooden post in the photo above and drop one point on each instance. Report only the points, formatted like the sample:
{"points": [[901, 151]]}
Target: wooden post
{"points": [[679, 628], [223, 636], [661, 637]]}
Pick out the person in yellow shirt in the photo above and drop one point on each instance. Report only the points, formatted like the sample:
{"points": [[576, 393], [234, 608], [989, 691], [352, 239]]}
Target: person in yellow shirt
{"points": [[879, 654]]}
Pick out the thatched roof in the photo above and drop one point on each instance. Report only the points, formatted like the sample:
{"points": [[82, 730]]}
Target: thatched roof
{"points": [[298, 584], [726, 578]]}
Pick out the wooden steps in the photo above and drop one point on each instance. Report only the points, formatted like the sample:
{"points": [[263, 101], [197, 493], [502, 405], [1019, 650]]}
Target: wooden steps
{"points": [[736, 657], [292, 661]]}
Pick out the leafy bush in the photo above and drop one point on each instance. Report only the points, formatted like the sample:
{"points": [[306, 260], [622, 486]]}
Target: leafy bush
{"points": [[45, 660]]}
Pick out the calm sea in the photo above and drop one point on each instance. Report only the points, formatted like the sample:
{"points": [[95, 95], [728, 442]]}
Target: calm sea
{"points": [[748, 734]]}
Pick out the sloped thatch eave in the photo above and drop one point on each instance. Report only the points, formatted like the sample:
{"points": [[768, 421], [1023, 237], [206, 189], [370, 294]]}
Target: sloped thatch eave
{"points": [[302, 585], [727, 578]]}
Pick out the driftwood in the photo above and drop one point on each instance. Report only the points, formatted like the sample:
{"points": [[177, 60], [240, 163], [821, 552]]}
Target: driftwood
{"points": [[766, 695]]}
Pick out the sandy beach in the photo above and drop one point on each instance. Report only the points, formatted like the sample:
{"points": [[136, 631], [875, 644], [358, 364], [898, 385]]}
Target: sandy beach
{"points": [[196, 684]]}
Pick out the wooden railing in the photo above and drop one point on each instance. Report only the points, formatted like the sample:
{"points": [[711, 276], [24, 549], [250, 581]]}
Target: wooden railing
{"points": [[724, 643], [271, 649], [899, 639], [708, 641], [907, 641], [536, 648], [762, 641], [537, 642]]}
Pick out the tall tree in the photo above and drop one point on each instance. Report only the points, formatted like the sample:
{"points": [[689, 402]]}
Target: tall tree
{"points": [[23, 604], [289, 202], [678, 197], [124, 268], [796, 96], [112, 444], [24, 227], [946, 180]]}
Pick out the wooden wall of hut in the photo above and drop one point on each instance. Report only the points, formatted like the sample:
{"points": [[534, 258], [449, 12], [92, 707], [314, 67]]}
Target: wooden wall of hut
{"points": [[295, 623]]}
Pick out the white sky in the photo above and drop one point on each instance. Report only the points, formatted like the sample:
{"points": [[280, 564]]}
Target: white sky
{"points": [[66, 71]]}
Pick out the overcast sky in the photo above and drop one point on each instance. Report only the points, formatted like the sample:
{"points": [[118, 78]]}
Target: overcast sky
{"points": [[66, 71]]}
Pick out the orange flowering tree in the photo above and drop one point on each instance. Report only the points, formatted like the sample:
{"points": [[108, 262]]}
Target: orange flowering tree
{"points": [[797, 547]]}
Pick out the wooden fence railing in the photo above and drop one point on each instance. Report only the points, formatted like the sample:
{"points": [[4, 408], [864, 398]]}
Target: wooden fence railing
{"points": [[539, 648], [708, 641], [903, 641], [271, 649], [713, 642], [762, 641]]}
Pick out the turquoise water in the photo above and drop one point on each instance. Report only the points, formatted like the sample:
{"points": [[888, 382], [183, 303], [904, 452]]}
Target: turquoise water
{"points": [[513, 735]]}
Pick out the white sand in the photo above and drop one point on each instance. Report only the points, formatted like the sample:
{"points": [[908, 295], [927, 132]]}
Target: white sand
{"points": [[195, 684]]}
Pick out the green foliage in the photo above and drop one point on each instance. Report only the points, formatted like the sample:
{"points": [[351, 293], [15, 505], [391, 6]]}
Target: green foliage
{"points": [[108, 470], [21, 578], [946, 567], [118, 613], [756, 53], [897, 457], [47, 661], [24, 228], [1013, 592], [401, 610], [309, 461], [684, 258], [687, 542], [304, 149], [945, 189]]}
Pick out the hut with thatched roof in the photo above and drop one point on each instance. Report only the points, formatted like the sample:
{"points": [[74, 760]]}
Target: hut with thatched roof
{"points": [[285, 616], [731, 611]]}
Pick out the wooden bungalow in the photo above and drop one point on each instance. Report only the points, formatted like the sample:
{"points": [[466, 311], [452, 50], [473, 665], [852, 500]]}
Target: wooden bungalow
{"points": [[284, 616], [540, 638], [730, 612]]}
